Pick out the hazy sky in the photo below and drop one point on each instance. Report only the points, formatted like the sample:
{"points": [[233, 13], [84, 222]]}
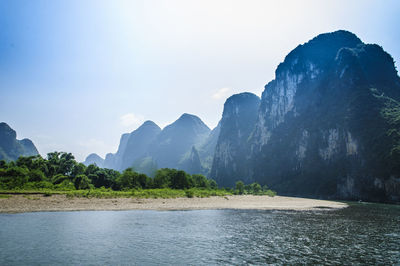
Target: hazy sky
{"points": [[75, 75]]}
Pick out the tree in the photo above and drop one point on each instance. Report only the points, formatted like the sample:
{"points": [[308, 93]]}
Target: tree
{"points": [[162, 178], [60, 163], [3, 164], [200, 181], [78, 169], [35, 175], [181, 180], [143, 180], [239, 187], [212, 184], [131, 179], [248, 189], [91, 169], [59, 178], [82, 182], [67, 163], [256, 188], [14, 177]]}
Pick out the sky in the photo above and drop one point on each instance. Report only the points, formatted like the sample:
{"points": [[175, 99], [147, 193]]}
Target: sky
{"points": [[75, 75]]}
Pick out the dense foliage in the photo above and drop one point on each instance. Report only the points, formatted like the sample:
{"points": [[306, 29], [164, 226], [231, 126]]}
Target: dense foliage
{"points": [[61, 172], [253, 189]]}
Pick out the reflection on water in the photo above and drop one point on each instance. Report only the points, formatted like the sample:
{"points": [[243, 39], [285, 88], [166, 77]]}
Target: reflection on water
{"points": [[363, 233]]}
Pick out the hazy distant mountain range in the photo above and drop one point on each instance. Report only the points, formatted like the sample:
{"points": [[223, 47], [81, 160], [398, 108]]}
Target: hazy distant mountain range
{"points": [[186, 144], [327, 126]]}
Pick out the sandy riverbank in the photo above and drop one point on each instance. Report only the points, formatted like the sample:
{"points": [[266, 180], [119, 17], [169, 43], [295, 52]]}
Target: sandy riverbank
{"points": [[35, 203]]}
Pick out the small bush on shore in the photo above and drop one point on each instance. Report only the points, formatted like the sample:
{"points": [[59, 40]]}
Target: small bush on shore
{"points": [[252, 189]]}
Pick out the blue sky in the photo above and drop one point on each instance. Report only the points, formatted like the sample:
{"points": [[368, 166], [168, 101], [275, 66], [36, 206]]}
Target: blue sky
{"points": [[75, 75]]}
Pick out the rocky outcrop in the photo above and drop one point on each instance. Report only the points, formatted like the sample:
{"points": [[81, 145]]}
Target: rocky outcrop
{"points": [[191, 162], [232, 153], [11, 148], [207, 148], [327, 126], [115, 160]]}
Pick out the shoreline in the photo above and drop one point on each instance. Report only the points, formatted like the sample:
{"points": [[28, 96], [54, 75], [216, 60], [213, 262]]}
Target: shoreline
{"points": [[40, 203]]}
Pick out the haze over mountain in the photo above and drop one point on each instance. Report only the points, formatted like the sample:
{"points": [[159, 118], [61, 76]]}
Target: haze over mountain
{"points": [[177, 139], [93, 158], [176, 146], [11, 148]]}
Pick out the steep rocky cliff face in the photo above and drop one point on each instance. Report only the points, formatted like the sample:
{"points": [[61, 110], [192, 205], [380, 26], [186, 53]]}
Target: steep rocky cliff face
{"points": [[114, 160], [207, 148], [232, 153], [133, 149], [329, 124], [11, 148], [191, 162]]}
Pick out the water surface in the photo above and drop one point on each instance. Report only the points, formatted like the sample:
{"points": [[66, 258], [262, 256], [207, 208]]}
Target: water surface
{"points": [[363, 233]]}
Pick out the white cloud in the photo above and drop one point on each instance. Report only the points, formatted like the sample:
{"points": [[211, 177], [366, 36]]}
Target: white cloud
{"points": [[130, 120], [221, 93]]}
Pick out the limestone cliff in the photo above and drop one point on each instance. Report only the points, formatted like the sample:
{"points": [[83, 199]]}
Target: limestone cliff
{"points": [[232, 154]]}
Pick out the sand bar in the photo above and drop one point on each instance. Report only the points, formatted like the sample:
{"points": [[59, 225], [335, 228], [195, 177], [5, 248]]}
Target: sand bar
{"points": [[36, 203]]}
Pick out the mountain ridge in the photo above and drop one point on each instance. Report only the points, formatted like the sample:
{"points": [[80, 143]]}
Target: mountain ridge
{"points": [[11, 148]]}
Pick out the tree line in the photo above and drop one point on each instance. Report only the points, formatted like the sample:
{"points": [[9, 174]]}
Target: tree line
{"points": [[61, 171]]}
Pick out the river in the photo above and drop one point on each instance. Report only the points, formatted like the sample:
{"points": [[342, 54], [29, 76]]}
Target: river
{"points": [[361, 234]]}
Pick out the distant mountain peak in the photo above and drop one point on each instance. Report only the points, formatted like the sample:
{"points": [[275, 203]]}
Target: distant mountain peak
{"points": [[93, 158], [10, 147], [243, 95], [93, 155], [336, 35], [149, 123], [189, 119], [187, 115], [319, 52], [6, 131]]}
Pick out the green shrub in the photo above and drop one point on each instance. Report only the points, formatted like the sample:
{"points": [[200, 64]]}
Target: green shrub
{"points": [[82, 182], [239, 187], [38, 185], [189, 193]]}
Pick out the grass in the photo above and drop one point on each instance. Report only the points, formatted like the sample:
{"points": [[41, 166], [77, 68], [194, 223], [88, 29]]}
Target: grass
{"points": [[135, 193], [163, 193], [30, 197]]}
